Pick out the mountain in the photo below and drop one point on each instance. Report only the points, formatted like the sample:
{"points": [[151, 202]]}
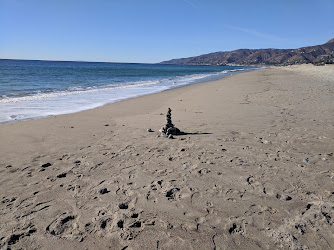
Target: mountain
{"points": [[311, 54]]}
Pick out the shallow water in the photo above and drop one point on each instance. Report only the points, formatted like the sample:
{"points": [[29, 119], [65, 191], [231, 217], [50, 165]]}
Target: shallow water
{"points": [[34, 89]]}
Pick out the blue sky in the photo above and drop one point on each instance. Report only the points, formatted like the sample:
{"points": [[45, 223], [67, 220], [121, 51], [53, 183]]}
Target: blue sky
{"points": [[151, 31]]}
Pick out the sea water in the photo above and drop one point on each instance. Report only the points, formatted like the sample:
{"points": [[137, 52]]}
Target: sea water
{"points": [[34, 89]]}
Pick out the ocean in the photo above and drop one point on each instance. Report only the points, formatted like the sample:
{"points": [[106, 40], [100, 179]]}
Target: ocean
{"points": [[35, 89]]}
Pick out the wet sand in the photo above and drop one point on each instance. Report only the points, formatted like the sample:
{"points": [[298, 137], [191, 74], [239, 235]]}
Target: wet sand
{"points": [[253, 170]]}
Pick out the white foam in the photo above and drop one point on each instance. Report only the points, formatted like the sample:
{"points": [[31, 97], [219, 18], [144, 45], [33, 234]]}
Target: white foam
{"points": [[78, 99]]}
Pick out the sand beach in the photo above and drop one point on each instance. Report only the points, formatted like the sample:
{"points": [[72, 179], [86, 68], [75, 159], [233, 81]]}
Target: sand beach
{"points": [[254, 169]]}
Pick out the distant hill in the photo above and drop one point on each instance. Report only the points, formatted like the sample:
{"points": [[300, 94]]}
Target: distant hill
{"points": [[323, 53]]}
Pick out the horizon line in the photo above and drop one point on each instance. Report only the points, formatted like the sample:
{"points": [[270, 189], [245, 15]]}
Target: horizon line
{"points": [[83, 61]]}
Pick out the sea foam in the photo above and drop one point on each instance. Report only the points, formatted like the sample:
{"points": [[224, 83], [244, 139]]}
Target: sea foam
{"points": [[47, 102]]}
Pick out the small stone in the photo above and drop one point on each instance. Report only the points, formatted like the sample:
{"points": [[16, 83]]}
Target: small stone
{"points": [[61, 175], [77, 162], [123, 206], [46, 165], [173, 131], [283, 197], [149, 130], [137, 224], [103, 191], [106, 125], [306, 160], [286, 197]]}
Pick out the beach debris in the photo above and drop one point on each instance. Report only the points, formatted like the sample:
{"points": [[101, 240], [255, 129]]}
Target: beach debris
{"points": [[169, 129]]}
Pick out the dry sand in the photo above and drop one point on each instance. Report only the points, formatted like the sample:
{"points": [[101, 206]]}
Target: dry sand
{"points": [[255, 169]]}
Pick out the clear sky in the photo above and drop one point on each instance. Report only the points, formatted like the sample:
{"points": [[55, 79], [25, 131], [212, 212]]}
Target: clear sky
{"points": [[151, 31]]}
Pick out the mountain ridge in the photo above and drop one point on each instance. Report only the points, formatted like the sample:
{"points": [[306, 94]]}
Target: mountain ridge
{"points": [[317, 54]]}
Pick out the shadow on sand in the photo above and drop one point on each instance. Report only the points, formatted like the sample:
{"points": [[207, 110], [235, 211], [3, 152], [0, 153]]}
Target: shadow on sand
{"points": [[197, 133]]}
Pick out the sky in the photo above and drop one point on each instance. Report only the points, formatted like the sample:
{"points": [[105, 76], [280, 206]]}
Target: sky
{"points": [[151, 31]]}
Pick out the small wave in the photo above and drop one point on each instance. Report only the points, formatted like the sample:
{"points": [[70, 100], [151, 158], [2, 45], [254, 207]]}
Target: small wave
{"points": [[47, 94], [77, 91], [79, 99]]}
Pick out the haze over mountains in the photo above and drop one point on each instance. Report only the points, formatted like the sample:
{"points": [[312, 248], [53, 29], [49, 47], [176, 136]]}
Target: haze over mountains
{"points": [[311, 54]]}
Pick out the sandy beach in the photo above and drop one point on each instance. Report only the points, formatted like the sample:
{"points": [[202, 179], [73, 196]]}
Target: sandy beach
{"points": [[254, 169]]}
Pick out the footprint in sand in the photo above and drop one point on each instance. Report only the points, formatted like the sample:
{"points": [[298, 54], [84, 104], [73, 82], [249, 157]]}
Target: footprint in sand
{"points": [[256, 185], [17, 235], [64, 226]]}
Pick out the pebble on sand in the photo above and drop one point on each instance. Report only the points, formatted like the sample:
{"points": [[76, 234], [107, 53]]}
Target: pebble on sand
{"points": [[46, 165], [103, 191]]}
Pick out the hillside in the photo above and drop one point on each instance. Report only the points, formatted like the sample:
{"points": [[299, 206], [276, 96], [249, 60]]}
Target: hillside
{"points": [[313, 54]]}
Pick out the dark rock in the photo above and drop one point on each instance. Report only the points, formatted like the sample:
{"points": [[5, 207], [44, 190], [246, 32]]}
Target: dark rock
{"points": [[123, 206], [120, 224], [171, 193], [103, 191], [61, 175], [103, 224], [137, 224], [173, 131], [46, 165], [286, 197]]}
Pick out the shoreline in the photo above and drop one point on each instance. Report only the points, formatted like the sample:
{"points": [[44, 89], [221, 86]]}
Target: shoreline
{"points": [[254, 169], [53, 104]]}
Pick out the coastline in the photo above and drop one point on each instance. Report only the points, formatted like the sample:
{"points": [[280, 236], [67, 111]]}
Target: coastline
{"points": [[98, 84], [253, 169]]}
